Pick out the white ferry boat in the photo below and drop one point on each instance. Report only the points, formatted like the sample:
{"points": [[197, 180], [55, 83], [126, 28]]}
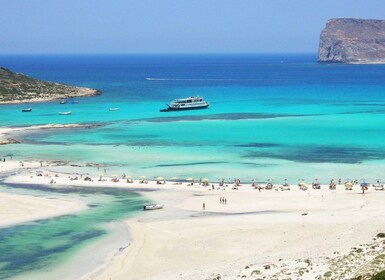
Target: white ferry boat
{"points": [[190, 103]]}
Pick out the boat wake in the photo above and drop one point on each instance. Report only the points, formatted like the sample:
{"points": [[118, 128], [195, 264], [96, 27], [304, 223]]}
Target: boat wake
{"points": [[198, 79]]}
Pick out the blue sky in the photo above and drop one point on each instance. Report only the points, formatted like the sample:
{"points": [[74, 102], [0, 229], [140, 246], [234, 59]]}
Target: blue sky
{"points": [[171, 26]]}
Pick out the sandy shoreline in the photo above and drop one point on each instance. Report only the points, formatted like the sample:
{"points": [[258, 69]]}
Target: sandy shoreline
{"points": [[17, 209], [6, 132], [81, 92], [292, 234], [284, 230], [20, 208]]}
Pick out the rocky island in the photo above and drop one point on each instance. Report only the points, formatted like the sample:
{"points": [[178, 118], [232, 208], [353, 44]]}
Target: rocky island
{"points": [[19, 88], [348, 40]]}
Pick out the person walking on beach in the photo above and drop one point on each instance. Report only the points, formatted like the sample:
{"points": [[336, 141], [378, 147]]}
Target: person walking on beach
{"points": [[204, 206]]}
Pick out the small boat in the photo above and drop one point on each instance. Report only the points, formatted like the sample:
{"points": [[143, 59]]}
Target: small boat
{"points": [[63, 102], [65, 113], [114, 109], [190, 103], [152, 206], [378, 186], [27, 110]]}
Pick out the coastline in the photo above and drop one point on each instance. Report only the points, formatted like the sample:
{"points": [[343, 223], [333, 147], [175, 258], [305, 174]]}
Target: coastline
{"points": [[6, 132], [284, 230], [82, 92], [304, 233], [20, 208]]}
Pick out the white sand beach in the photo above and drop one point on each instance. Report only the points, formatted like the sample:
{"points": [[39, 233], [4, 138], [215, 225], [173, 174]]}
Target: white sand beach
{"points": [[16, 209], [268, 233], [272, 234]]}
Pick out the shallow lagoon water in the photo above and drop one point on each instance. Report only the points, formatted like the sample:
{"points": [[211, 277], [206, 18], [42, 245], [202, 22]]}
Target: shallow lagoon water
{"points": [[44, 246]]}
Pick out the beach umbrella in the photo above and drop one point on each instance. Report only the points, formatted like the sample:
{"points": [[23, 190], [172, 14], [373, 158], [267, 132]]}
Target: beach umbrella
{"points": [[128, 176], [189, 179], [205, 180], [174, 178], [159, 178]]}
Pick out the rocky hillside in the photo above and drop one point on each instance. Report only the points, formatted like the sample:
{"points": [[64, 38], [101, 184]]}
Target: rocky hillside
{"points": [[18, 88], [348, 40]]}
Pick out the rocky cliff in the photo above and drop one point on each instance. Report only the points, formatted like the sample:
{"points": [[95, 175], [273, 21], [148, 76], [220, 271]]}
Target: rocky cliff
{"points": [[348, 40], [18, 88]]}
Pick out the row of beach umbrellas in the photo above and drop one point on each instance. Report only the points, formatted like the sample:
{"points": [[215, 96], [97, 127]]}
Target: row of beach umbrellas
{"points": [[300, 181], [160, 178]]}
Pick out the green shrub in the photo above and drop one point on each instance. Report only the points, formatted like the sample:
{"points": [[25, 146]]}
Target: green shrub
{"points": [[379, 276]]}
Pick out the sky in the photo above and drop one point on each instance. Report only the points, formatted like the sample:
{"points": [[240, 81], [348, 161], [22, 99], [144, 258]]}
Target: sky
{"points": [[171, 26]]}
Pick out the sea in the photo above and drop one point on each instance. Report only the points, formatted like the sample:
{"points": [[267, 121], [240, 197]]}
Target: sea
{"points": [[271, 117]]}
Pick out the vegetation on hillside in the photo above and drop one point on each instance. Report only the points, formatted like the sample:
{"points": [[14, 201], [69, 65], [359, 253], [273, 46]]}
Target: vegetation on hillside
{"points": [[16, 87]]}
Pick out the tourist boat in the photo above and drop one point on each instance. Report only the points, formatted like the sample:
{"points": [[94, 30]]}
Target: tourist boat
{"points": [[63, 102], [152, 206], [27, 110], [190, 103], [65, 113], [114, 109]]}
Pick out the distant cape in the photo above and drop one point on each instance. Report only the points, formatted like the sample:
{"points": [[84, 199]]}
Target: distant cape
{"points": [[348, 40], [19, 88]]}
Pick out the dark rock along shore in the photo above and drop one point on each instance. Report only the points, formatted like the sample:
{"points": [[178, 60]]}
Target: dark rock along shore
{"points": [[347, 40]]}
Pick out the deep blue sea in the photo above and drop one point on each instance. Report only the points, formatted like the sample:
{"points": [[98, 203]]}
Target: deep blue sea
{"points": [[271, 116]]}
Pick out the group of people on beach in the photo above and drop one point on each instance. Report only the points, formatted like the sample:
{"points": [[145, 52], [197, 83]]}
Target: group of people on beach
{"points": [[222, 200]]}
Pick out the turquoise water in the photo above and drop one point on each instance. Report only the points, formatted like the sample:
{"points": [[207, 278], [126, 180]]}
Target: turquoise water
{"points": [[44, 246], [271, 116]]}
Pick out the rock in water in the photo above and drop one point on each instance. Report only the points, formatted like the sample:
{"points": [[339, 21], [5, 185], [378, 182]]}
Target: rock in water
{"points": [[348, 40]]}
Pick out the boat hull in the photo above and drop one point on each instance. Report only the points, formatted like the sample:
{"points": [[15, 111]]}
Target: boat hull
{"points": [[152, 207], [172, 109]]}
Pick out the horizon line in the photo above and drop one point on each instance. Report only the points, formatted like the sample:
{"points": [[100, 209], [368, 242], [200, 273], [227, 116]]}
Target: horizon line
{"points": [[159, 53]]}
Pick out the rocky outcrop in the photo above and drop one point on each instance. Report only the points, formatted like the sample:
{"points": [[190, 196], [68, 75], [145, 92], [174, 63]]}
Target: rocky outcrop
{"points": [[348, 40], [19, 88]]}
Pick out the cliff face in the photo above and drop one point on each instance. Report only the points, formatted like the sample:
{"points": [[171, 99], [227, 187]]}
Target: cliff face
{"points": [[352, 41], [18, 88]]}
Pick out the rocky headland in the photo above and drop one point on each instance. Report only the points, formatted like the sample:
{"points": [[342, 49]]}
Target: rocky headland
{"points": [[355, 41], [19, 88]]}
